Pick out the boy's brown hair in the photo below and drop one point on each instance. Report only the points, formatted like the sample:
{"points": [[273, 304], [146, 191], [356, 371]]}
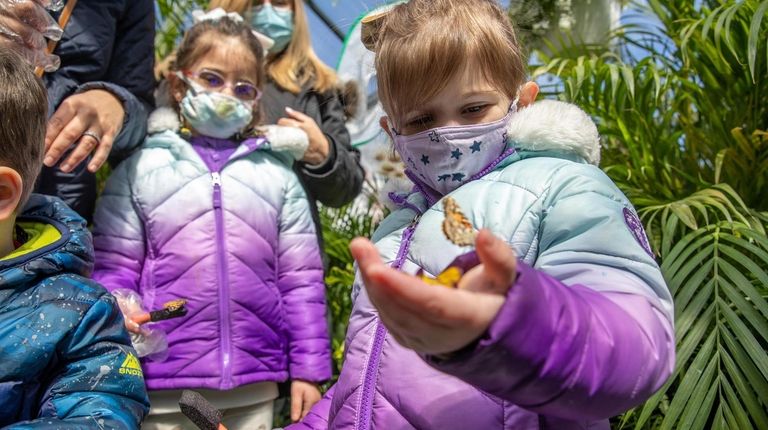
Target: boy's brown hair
{"points": [[423, 43], [23, 117]]}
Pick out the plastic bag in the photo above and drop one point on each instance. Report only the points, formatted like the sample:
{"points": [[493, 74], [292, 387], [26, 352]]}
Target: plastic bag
{"points": [[151, 342], [24, 27]]}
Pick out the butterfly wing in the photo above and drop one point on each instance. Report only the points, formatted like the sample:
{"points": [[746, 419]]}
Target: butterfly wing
{"points": [[456, 226]]}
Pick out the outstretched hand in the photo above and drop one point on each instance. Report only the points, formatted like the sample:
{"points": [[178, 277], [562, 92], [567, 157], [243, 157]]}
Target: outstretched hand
{"points": [[435, 320]]}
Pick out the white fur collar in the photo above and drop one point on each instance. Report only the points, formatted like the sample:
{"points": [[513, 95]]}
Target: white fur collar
{"points": [[550, 125], [282, 139]]}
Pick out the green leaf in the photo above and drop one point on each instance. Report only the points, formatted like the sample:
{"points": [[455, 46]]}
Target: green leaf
{"points": [[754, 35], [699, 373]]}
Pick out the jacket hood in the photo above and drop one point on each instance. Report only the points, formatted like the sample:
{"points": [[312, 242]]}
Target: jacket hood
{"points": [[59, 243], [291, 140]]}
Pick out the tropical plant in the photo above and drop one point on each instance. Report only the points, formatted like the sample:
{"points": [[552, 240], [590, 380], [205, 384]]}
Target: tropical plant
{"points": [[173, 18], [680, 100], [340, 226]]}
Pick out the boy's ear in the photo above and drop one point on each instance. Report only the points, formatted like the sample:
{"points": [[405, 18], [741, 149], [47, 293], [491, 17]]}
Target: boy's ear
{"points": [[384, 123], [11, 189], [528, 93]]}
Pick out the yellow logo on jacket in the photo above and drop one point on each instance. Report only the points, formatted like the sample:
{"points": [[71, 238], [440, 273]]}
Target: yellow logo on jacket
{"points": [[131, 366]]}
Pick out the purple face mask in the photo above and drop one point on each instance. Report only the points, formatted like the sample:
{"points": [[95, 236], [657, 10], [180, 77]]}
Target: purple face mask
{"points": [[445, 158]]}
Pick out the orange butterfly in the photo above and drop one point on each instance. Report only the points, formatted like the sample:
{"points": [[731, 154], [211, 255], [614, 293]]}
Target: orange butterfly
{"points": [[459, 231], [456, 226]]}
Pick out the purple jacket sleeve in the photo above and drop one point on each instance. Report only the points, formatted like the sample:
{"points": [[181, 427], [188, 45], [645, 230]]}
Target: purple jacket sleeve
{"points": [[300, 280], [118, 234], [587, 333], [569, 351], [317, 418]]}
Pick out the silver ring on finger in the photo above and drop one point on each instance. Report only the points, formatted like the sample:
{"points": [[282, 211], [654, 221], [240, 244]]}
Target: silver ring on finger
{"points": [[92, 134]]}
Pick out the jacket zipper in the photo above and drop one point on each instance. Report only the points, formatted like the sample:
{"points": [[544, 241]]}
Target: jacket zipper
{"points": [[223, 278], [371, 368]]}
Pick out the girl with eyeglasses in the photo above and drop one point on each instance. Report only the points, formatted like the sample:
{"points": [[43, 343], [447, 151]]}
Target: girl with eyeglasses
{"points": [[301, 91], [210, 210]]}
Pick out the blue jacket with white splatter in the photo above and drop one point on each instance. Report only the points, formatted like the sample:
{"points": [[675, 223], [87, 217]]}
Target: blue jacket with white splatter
{"points": [[66, 360]]}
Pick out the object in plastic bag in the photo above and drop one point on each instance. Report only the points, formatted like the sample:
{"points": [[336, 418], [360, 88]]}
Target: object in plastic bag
{"points": [[24, 27], [173, 309], [149, 342]]}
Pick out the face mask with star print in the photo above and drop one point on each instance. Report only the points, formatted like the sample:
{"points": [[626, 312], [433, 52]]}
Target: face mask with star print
{"points": [[445, 158]]}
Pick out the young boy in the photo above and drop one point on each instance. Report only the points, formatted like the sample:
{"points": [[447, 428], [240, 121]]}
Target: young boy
{"points": [[65, 357]]}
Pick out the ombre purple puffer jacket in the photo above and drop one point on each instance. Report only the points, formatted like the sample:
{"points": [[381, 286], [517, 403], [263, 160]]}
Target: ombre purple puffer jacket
{"points": [[238, 244], [585, 332]]}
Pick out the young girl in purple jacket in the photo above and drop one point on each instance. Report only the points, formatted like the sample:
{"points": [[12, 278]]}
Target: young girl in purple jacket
{"points": [[563, 318], [210, 210]]}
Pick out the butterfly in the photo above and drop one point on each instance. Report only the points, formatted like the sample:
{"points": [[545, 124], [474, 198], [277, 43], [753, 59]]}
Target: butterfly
{"points": [[448, 278], [459, 231], [451, 276], [456, 226]]}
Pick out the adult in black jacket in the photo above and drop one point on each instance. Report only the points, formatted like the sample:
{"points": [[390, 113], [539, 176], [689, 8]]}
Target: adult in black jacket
{"points": [[303, 92], [101, 95]]}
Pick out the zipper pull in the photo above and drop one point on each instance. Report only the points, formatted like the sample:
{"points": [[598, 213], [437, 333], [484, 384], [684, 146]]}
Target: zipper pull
{"points": [[216, 179], [415, 220]]}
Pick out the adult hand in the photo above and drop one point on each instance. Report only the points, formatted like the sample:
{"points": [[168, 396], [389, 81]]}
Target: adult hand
{"points": [[24, 26], [91, 119], [304, 395], [319, 146], [432, 319]]}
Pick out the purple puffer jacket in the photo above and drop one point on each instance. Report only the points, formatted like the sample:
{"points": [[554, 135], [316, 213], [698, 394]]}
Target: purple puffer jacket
{"points": [[238, 244], [585, 332]]}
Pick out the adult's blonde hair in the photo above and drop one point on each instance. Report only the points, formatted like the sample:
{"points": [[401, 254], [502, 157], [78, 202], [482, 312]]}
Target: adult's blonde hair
{"points": [[297, 65], [422, 44]]}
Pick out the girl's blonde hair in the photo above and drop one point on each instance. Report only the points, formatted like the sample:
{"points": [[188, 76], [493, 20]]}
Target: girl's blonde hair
{"points": [[297, 65], [422, 44]]}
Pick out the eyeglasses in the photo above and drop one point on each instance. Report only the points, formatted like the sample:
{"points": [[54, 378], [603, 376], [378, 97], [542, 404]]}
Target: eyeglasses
{"points": [[214, 81]]}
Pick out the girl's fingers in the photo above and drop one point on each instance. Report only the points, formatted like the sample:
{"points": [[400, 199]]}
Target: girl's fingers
{"points": [[297, 400], [499, 264], [299, 116], [288, 122], [132, 326]]}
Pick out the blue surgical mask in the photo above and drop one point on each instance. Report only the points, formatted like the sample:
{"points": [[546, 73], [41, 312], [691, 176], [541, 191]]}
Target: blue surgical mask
{"points": [[215, 114], [277, 24]]}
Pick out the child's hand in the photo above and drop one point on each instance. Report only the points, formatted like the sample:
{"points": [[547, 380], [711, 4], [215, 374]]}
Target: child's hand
{"points": [[435, 320], [319, 147], [131, 326], [304, 395]]}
